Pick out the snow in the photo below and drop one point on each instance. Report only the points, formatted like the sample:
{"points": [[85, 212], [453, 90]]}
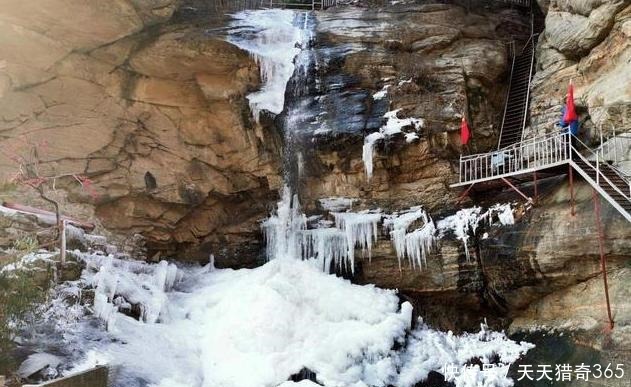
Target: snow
{"points": [[273, 37], [381, 94], [336, 203], [393, 125], [411, 137]]}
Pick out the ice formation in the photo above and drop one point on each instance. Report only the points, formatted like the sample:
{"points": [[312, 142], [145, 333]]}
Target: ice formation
{"points": [[38, 362], [393, 126], [361, 230], [368, 150], [274, 320], [282, 230], [467, 220], [273, 37], [430, 350], [461, 223], [116, 283], [287, 235], [415, 245]]}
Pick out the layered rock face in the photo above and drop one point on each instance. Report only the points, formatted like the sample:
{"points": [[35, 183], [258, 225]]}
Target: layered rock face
{"points": [[154, 113], [587, 42], [434, 63]]}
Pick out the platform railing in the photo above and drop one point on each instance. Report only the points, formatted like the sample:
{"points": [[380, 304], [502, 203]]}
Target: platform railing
{"points": [[529, 155]]}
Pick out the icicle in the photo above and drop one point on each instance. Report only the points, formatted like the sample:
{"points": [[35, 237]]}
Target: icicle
{"points": [[368, 150], [415, 245], [282, 230], [360, 230], [393, 126], [326, 246]]}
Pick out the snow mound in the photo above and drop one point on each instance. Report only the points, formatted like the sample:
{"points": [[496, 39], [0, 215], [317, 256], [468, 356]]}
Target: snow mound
{"points": [[273, 321]]}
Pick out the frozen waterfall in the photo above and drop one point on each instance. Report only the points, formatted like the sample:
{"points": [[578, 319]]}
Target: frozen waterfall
{"points": [[273, 37]]}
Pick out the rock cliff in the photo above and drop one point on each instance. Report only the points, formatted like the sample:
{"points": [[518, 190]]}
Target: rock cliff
{"points": [[587, 42], [153, 112]]}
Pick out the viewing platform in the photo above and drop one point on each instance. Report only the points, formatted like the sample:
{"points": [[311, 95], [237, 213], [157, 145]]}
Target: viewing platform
{"points": [[549, 153]]}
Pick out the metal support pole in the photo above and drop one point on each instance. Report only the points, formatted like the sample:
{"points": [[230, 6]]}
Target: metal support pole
{"points": [[464, 194], [516, 189], [571, 174], [534, 175], [603, 259]]}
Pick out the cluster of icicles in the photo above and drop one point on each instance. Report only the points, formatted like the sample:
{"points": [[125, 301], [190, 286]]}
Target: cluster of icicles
{"points": [[288, 236]]}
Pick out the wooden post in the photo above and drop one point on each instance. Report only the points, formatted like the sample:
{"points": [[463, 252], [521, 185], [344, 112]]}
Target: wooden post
{"points": [[2, 381], [603, 258], [62, 236], [571, 173]]}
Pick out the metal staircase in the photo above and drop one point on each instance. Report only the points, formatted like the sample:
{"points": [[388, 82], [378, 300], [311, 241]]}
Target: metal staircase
{"points": [[516, 108], [548, 153], [611, 183]]}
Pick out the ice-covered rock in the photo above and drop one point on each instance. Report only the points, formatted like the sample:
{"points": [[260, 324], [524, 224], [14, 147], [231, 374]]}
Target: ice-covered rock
{"points": [[38, 362]]}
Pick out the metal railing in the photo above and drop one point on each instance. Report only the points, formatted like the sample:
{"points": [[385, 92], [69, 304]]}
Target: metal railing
{"points": [[312, 4], [529, 155], [598, 165], [547, 151], [616, 148], [533, 36]]}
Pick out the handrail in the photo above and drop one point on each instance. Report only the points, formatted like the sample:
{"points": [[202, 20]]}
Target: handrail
{"points": [[532, 64], [600, 175], [539, 152], [598, 170], [510, 82], [517, 145]]}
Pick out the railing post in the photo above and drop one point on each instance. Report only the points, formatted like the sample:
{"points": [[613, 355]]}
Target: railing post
{"points": [[597, 170], [601, 249], [615, 147]]}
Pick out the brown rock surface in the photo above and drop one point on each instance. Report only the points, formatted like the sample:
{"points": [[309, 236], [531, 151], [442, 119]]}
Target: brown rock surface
{"points": [[588, 42], [155, 114], [440, 62]]}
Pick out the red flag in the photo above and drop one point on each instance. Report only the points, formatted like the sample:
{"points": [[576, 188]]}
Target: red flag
{"points": [[465, 133], [570, 109]]}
